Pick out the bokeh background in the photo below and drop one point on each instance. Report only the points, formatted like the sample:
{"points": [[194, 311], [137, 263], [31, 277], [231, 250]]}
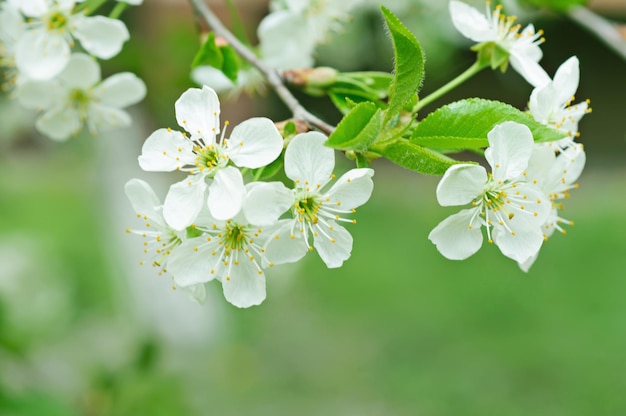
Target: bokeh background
{"points": [[399, 330]]}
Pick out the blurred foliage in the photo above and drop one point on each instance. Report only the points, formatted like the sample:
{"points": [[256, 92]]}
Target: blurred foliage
{"points": [[557, 5]]}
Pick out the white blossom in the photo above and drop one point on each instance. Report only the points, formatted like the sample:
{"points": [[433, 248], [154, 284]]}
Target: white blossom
{"points": [[557, 173], [44, 49], [161, 242], [508, 203], [551, 104], [252, 144], [317, 210], [495, 28], [231, 251], [77, 96]]}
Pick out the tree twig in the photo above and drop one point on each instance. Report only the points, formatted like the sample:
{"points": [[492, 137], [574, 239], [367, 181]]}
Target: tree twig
{"points": [[603, 28], [272, 76]]}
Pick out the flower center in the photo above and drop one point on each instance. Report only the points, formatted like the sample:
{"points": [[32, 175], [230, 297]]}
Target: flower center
{"points": [[494, 199], [234, 237], [209, 157], [79, 99], [56, 21], [307, 209]]}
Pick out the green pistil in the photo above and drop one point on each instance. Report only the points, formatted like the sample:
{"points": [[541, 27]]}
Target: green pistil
{"points": [[208, 157], [308, 208], [235, 237], [494, 199], [80, 98], [57, 21]]}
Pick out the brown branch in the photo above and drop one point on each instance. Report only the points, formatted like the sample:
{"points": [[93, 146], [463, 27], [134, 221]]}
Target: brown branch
{"points": [[272, 76]]}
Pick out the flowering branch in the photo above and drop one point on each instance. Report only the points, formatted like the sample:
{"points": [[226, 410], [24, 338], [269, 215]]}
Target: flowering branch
{"points": [[603, 28], [272, 76]]}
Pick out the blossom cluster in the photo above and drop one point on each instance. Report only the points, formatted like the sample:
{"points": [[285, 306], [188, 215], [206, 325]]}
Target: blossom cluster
{"points": [[37, 39], [213, 225], [520, 200]]}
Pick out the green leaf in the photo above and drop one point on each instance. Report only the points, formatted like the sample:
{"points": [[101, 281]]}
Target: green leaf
{"points": [[417, 158], [230, 66], [209, 54], [464, 124], [358, 129], [223, 58], [268, 171], [409, 65], [361, 161], [345, 100]]}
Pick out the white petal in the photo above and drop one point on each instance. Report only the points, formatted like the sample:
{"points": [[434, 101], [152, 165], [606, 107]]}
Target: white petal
{"points": [[12, 24], [40, 95], [100, 118], [265, 202], [352, 190], [33, 8], [192, 263], [244, 286], [226, 193], [197, 292], [212, 77], [337, 249], [184, 201], [470, 22], [82, 71], [510, 147], [308, 160], [566, 80], [574, 163], [198, 112], [520, 246], [100, 36], [254, 143], [59, 123], [285, 52], [166, 150], [528, 68], [41, 55], [143, 200], [461, 184], [121, 90], [525, 265], [283, 246], [454, 237]]}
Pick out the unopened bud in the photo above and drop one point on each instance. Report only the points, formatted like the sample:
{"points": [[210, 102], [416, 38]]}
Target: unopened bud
{"points": [[319, 77]]}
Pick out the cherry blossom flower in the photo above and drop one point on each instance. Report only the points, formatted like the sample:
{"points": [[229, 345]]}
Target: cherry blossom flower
{"points": [[78, 96], [44, 49], [252, 144], [161, 242], [509, 204], [557, 175], [497, 30], [160, 238], [231, 251], [316, 211], [551, 104]]}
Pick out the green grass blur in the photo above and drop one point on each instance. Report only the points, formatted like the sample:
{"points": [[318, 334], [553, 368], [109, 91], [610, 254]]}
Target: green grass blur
{"points": [[398, 330]]}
